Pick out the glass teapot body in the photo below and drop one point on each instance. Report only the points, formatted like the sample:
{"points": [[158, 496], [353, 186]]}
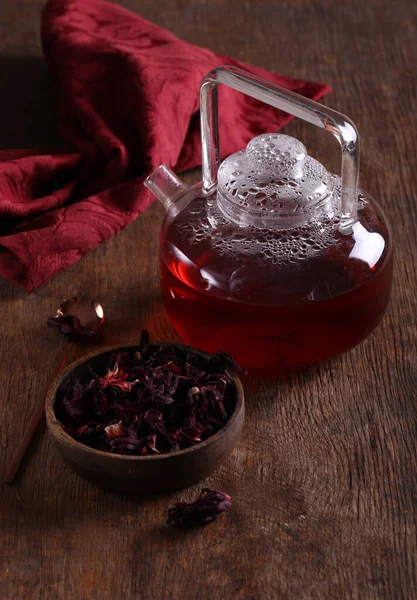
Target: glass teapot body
{"points": [[272, 269], [273, 299]]}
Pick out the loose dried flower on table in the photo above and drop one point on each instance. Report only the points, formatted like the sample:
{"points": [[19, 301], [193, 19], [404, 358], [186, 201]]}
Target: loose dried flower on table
{"points": [[208, 506]]}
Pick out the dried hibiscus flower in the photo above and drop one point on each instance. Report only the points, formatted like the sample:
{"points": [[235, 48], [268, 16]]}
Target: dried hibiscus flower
{"points": [[70, 326], [208, 506], [157, 400], [117, 378]]}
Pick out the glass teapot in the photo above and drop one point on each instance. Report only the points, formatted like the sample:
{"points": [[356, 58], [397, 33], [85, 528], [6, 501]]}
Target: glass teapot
{"points": [[272, 258]]}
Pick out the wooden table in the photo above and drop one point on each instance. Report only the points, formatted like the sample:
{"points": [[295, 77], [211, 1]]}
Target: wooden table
{"points": [[324, 479]]}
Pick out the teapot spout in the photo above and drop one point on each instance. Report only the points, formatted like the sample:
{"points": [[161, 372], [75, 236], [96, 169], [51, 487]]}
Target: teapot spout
{"points": [[166, 186]]}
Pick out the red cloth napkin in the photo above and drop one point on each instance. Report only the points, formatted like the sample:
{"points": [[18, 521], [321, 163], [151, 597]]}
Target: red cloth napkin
{"points": [[128, 96]]}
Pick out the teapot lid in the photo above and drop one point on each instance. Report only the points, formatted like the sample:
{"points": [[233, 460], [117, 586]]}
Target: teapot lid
{"points": [[273, 183]]}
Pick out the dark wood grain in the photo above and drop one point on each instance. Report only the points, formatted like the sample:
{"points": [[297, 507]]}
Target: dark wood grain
{"points": [[324, 480]]}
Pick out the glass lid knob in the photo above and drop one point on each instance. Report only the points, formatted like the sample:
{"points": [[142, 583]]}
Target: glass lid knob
{"points": [[276, 152]]}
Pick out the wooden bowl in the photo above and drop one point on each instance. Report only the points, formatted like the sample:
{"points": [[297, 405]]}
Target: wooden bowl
{"points": [[156, 473]]}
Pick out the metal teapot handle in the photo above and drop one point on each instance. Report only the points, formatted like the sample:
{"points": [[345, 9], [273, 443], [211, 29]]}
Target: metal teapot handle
{"points": [[295, 104]]}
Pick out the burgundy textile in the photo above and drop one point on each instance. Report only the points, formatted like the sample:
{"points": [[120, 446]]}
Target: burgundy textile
{"points": [[128, 95]]}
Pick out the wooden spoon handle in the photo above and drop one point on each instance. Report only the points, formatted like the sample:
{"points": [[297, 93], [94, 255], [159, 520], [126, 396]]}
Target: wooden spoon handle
{"points": [[33, 423]]}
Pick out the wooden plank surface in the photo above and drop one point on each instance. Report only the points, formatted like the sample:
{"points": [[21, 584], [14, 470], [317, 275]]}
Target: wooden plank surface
{"points": [[324, 479]]}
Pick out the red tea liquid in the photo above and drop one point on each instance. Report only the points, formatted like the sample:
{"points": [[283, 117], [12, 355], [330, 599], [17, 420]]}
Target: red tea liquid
{"points": [[275, 337]]}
